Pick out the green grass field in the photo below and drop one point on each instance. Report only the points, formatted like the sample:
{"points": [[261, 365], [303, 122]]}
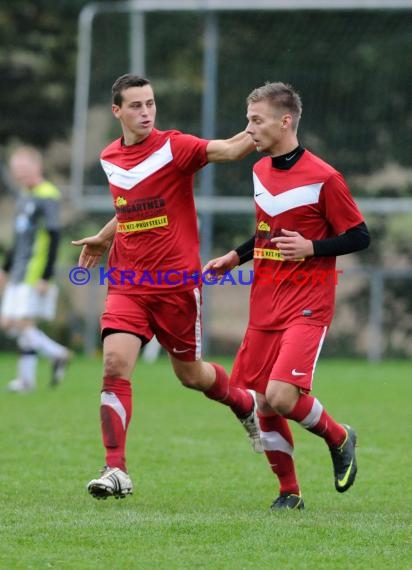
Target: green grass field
{"points": [[201, 496]]}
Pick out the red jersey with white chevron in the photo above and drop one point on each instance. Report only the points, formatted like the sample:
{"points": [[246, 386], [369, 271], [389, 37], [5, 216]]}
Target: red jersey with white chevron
{"points": [[311, 198], [152, 188]]}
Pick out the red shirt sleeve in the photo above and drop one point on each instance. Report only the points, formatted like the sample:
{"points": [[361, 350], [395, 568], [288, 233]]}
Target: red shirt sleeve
{"points": [[338, 205], [189, 152]]}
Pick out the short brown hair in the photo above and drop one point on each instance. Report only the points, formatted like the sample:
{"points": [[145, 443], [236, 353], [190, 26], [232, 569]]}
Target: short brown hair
{"points": [[281, 96], [124, 82]]}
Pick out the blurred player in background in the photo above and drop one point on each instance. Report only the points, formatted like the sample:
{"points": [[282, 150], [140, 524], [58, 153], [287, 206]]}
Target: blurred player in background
{"points": [[305, 217], [27, 275], [151, 175], [151, 351]]}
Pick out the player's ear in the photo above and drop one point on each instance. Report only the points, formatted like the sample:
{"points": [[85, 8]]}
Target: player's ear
{"points": [[286, 122], [116, 110]]}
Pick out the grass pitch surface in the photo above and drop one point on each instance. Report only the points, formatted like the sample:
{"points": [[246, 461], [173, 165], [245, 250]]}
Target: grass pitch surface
{"points": [[201, 495]]}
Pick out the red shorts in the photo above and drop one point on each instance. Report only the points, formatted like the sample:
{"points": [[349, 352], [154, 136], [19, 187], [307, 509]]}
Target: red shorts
{"points": [[289, 355], [174, 319]]}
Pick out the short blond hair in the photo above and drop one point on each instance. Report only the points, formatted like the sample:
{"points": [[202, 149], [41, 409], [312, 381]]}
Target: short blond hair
{"points": [[281, 96]]}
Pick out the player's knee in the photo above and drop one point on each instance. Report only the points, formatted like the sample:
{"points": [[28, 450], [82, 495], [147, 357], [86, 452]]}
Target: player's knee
{"points": [[188, 379], [280, 400], [115, 364], [194, 375], [7, 324]]}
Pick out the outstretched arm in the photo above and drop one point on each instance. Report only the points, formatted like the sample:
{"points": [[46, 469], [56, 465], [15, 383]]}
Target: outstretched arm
{"points": [[235, 148], [95, 246], [220, 265]]}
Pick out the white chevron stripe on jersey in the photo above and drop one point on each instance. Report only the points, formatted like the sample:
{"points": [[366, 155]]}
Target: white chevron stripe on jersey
{"points": [[127, 179], [274, 205]]}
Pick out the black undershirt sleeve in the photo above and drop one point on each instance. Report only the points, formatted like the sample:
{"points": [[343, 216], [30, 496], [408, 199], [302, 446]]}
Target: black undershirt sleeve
{"points": [[51, 255], [355, 239], [245, 250]]}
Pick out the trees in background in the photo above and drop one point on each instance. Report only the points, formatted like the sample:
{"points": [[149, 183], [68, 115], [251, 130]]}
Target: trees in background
{"points": [[353, 69]]}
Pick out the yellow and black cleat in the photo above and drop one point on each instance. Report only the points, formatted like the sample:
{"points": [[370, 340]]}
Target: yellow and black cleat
{"points": [[344, 461]]}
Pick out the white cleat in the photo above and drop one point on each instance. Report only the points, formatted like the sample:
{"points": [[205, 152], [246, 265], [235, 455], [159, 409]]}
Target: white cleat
{"points": [[251, 425], [19, 386], [113, 483]]}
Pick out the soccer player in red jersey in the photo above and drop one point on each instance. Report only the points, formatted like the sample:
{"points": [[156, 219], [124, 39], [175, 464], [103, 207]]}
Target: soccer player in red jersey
{"points": [[154, 275], [305, 217]]}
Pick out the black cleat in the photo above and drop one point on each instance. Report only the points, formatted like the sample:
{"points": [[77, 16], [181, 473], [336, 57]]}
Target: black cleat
{"points": [[288, 502], [344, 461], [59, 367]]}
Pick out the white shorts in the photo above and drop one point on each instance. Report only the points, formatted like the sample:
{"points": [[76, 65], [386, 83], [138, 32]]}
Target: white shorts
{"points": [[22, 301]]}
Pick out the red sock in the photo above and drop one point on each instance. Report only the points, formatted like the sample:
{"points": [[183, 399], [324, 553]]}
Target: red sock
{"points": [[239, 400], [311, 415], [278, 443], [115, 414]]}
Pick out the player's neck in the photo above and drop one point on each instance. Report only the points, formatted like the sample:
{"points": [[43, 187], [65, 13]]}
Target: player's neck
{"points": [[34, 182], [129, 138], [289, 159], [284, 147]]}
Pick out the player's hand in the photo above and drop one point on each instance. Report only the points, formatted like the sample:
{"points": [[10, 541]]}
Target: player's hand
{"points": [[293, 246], [223, 264], [93, 249]]}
